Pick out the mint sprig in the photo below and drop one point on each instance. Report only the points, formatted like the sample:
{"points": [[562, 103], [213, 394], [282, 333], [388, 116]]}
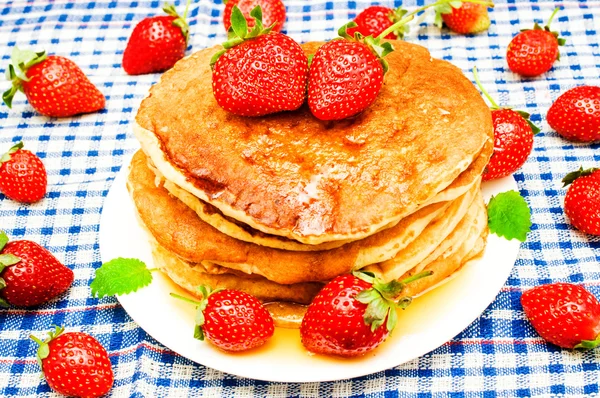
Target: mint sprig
{"points": [[509, 216], [121, 276]]}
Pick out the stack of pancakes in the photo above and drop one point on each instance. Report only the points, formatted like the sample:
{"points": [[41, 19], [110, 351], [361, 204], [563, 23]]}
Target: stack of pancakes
{"points": [[278, 205]]}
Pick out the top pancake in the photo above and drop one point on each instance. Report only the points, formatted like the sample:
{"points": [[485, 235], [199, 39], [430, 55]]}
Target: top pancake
{"points": [[291, 175]]}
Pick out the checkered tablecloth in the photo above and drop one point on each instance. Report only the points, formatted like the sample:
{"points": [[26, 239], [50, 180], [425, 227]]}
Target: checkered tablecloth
{"points": [[498, 355]]}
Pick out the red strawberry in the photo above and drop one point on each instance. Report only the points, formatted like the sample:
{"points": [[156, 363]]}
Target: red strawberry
{"points": [[29, 274], [22, 175], [75, 364], [533, 52], [273, 12], [230, 319], [564, 314], [373, 20], [259, 72], [467, 18], [582, 202], [513, 138], [353, 314], [576, 114], [53, 85], [346, 75], [157, 42]]}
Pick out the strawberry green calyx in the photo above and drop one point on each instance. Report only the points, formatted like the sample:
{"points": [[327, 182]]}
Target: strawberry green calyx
{"points": [[179, 21], [6, 260], [238, 33], [375, 44], [43, 349], [205, 292], [561, 40], [572, 176], [383, 298], [534, 129], [446, 6], [20, 62], [6, 157], [396, 16], [588, 344]]}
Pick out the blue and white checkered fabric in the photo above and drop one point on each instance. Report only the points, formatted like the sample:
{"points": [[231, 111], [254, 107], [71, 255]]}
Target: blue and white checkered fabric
{"points": [[498, 355]]}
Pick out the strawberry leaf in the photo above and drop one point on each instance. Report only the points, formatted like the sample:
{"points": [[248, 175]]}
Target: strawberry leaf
{"points": [[3, 240], [534, 129], [572, 176], [120, 276], [13, 149], [239, 23], [509, 216], [7, 260]]}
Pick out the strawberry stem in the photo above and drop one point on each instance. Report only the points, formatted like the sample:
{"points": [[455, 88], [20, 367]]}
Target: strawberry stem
{"points": [[182, 298], [483, 90], [552, 17], [187, 7], [409, 17], [416, 277]]}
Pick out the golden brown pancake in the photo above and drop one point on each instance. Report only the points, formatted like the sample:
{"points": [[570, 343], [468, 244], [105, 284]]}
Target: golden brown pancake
{"points": [[178, 229], [291, 175]]}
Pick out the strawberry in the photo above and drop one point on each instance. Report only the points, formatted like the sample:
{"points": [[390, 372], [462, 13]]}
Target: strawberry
{"points": [[513, 138], [373, 20], [277, 84], [353, 314], [533, 51], [22, 175], [53, 85], [346, 75], [74, 364], [582, 202], [466, 18], [273, 12], [564, 314], [230, 319], [576, 114], [157, 42], [29, 274]]}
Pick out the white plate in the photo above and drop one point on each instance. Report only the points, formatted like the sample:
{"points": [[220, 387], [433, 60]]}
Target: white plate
{"points": [[429, 322]]}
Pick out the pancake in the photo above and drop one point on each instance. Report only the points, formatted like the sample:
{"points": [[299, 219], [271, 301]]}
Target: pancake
{"points": [[238, 230], [178, 229], [294, 176]]}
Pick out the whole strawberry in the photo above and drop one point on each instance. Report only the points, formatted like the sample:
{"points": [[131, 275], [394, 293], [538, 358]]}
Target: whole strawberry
{"points": [[230, 319], [53, 85], [466, 18], [258, 72], [29, 274], [373, 20], [157, 42], [22, 175], [346, 75], [582, 202], [75, 364], [576, 114], [273, 12], [533, 52], [564, 314], [353, 314], [513, 138]]}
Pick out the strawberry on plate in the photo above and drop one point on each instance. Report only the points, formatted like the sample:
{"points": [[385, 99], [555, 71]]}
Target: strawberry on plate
{"points": [[230, 319], [513, 138], [29, 274], [463, 17], [53, 85], [277, 84], [373, 20], [564, 314], [157, 42], [74, 364], [582, 202], [353, 314], [22, 175], [273, 12], [576, 114], [533, 51]]}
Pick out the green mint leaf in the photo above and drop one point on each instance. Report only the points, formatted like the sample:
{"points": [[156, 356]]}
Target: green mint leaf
{"points": [[8, 259], [3, 239], [509, 216], [120, 276], [239, 23]]}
